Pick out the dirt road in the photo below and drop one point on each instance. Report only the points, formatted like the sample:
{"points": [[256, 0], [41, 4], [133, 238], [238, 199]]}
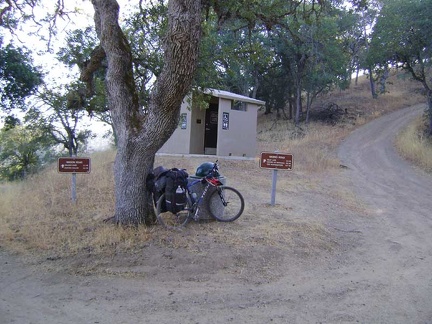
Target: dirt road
{"points": [[397, 249], [384, 276]]}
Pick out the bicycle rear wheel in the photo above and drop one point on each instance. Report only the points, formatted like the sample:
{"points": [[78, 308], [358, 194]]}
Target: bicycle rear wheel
{"points": [[170, 220], [226, 204]]}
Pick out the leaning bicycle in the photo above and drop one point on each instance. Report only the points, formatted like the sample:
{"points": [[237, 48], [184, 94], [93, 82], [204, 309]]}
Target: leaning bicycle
{"points": [[224, 203]]}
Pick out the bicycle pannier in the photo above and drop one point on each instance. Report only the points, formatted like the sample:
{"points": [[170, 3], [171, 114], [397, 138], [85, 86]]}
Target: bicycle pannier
{"points": [[175, 190], [156, 182]]}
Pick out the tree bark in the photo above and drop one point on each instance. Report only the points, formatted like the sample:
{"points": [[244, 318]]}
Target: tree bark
{"points": [[299, 70], [421, 75], [429, 100], [140, 135], [372, 83], [298, 104]]}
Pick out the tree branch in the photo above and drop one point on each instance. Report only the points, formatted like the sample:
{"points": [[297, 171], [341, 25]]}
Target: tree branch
{"points": [[90, 66]]}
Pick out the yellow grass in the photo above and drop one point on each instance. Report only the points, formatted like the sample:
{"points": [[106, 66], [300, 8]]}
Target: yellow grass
{"points": [[414, 146], [39, 214], [313, 145], [312, 153]]}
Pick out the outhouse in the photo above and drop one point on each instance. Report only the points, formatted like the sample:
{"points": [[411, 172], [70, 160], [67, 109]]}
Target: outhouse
{"points": [[226, 126]]}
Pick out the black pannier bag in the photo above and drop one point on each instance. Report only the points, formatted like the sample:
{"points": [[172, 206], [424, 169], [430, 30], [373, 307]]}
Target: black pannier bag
{"points": [[175, 190], [156, 182]]}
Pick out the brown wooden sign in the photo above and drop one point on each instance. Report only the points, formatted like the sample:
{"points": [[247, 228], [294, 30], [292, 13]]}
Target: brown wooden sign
{"points": [[278, 161], [73, 165]]}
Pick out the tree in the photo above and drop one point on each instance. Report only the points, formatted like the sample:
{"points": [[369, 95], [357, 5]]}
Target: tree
{"points": [[11, 122], [402, 38], [23, 151], [59, 116], [18, 77], [145, 31], [328, 65], [308, 58], [142, 132], [233, 57], [90, 95], [367, 19]]}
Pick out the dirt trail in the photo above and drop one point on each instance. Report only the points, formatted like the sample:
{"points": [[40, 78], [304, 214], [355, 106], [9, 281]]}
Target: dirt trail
{"points": [[397, 248], [385, 278]]}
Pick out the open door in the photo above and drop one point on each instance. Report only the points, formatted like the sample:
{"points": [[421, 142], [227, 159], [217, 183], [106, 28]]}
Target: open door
{"points": [[211, 129]]}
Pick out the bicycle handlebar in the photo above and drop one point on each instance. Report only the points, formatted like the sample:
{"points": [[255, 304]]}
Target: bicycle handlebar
{"points": [[212, 173], [214, 170]]}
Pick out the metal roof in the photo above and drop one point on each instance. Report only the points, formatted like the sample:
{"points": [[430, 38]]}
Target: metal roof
{"points": [[232, 96]]}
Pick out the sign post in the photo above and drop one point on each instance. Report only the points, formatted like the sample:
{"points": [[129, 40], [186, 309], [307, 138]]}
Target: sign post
{"points": [[276, 161], [273, 190], [73, 165]]}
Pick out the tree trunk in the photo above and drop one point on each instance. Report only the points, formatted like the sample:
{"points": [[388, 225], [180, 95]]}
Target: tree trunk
{"points": [[372, 83], [308, 105], [357, 75], [290, 105], [298, 104], [299, 68], [429, 100], [140, 135]]}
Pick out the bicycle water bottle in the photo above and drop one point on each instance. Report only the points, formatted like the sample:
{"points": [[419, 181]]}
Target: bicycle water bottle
{"points": [[180, 198]]}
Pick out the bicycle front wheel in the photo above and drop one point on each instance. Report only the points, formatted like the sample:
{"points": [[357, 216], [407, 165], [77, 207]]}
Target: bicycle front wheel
{"points": [[170, 220], [226, 204]]}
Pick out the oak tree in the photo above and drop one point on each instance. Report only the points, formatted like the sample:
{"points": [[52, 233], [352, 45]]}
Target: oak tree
{"points": [[142, 132], [402, 38]]}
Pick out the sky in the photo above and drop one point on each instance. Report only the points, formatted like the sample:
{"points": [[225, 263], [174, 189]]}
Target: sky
{"points": [[30, 35], [34, 42], [35, 37]]}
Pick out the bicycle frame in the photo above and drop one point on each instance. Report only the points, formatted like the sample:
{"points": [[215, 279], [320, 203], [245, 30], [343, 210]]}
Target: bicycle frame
{"points": [[196, 202], [210, 181]]}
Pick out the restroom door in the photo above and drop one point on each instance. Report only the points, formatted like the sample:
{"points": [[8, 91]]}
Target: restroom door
{"points": [[211, 129]]}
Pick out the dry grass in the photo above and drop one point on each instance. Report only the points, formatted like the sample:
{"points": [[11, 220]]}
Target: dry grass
{"points": [[401, 92], [312, 152], [37, 215], [314, 145], [414, 146]]}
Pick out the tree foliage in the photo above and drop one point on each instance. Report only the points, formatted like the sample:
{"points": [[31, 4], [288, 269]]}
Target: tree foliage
{"points": [[58, 116], [18, 77], [402, 38], [23, 151]]}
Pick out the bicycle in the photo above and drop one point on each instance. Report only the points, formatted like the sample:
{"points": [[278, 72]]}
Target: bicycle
{"points": [[225, 204]]}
